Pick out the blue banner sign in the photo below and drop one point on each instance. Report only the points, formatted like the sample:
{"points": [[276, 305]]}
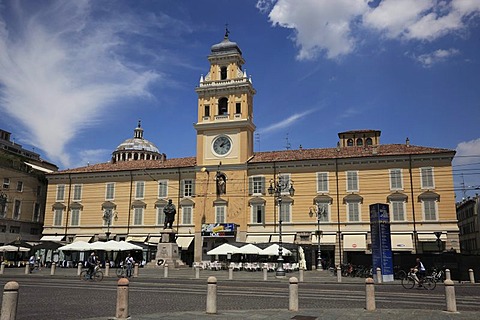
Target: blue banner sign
{"points": [[381, 241]]}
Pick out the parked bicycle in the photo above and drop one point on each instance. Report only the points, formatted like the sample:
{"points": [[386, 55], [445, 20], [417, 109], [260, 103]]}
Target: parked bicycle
{"points": [[97, 275], [438, 275], [411, 280], [122, 271]]}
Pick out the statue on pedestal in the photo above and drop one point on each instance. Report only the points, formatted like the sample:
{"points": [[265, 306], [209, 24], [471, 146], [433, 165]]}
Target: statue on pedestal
{"points": [[170, 212]]}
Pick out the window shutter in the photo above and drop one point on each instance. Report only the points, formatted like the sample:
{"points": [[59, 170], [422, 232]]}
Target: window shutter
{"points": [[263, 185], [250, 186], [193, 187], [182, 188]]}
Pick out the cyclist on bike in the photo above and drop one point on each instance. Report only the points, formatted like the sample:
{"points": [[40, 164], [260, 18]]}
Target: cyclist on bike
{"points": [[91, 263], [420, 270]]}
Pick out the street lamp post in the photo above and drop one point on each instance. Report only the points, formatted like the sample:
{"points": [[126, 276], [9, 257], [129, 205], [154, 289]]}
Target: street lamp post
{"points": [[276, 188], [320, 212]]}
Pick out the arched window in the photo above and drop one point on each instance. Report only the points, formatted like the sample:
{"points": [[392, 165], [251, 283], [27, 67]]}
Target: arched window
{"points": [[223, 73], [359, 142], [222, 106], [350, 142], [368, 141]]}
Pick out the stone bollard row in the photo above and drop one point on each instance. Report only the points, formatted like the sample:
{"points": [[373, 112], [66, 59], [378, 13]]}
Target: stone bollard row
{"points": [[471, 275], [52, 269], [265, 274], [300, 275], [79, 268], [450, 296], [107, 269], [2, 268], [293, 294], [379, 275], [122, 299], [197, 273], [212, 295], [339, 274], [370, 294], [27, 268], [230, 273], [448, 274], [10, 301], [135, 270], [165, 270]]}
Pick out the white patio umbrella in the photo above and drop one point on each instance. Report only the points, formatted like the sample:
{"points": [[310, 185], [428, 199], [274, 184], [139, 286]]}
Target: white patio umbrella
{"points": [[77, 246], [113, 245], [10, 248], [250, 249], [272, 250], [224, 249]]}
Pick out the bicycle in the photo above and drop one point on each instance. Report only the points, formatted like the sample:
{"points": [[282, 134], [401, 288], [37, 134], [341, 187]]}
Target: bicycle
{"points": [[122, 272], [96, 276], [438, 275], [409, 282], [400, 275]]}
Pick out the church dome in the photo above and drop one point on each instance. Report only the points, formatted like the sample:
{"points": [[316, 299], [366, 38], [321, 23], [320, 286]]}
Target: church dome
{"points": [[137, 148], [226, 46]]}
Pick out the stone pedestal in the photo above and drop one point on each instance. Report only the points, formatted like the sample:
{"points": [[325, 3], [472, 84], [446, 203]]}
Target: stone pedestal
{"points": [[167, 251]]}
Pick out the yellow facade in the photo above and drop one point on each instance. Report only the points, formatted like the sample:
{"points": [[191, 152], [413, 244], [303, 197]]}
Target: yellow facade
{"points": [[346, 179]]}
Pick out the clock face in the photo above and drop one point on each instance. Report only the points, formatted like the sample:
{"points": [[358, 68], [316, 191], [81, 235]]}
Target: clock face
{"points": [[222, 145]]}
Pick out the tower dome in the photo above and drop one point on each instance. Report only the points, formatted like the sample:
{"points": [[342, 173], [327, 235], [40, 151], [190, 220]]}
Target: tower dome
{"points": [[137, 148]]}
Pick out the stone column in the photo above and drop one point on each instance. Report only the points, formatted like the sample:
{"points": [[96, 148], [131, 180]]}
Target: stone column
{"points": [[122, 299], [293, 294], [212, 295], [370, 294], [10, 301], [450, 296]]}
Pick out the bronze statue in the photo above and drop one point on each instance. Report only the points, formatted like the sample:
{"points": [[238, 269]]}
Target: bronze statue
{"points": [[170, 212]]}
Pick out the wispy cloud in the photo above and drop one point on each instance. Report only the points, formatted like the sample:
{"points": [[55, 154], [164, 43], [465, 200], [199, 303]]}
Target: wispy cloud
{"points": [[60, 70], [333, 28], [285, 123], [437, 56], [466, 166]]}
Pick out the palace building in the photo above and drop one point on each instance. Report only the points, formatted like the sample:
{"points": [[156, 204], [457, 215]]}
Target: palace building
{"points": [[227, 192]]}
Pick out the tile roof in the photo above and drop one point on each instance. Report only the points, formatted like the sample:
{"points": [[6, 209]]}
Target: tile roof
{"points": [[269, 156]]}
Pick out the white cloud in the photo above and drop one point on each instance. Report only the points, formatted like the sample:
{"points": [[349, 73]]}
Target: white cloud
{"points": [[466, 165], [440, 55], [286, 122], [335, 27], [468, 152], [56, 61]]}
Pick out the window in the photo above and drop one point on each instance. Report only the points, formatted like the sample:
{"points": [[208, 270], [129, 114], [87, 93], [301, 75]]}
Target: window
{"points": [[160, 215], [427, 178], [36, 212], [187, 214], [77, 192], [139, 189], [75, 219], [369, 141], [352, 181], [3, 228], [396, 182], [14, 229], [6, 183], [256, 185], [350, 142], [138, 216], [220, 214], [429, 210], [397, 210], [353, 211], [188, 188], [322, 181], [207, 111], [19, 186], [238, 108], [61, 192], [258, 213], [223, 73], [162, 188], [223, 106], [284, 180], [110, 191], [359, 142], [285, 210], [17, 209], [58, 217]]}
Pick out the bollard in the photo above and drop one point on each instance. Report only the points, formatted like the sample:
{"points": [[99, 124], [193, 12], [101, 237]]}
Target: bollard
{"points": [[471, 275], [450, 296], [265, 274], [27, 268], [2, 268], [339, 274], [379, 275], [135, 270], [79, 268], [52, 269], [370, 294], [293, 290], [107, 269], [197, 273], [300, 272], [447, 274], [165, 270], [122, 299], [212, 295], [10, 301], [230, 273]]}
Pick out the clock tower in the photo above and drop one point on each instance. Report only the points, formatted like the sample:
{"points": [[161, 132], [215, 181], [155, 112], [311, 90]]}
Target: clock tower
{"points": [[225, 108]]}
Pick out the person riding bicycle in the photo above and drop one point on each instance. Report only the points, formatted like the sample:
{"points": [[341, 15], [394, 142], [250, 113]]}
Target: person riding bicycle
{"points": [[91, 264], [129, 263], [420, 270]]}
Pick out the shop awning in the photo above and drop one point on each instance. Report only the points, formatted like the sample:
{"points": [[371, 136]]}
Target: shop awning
{"points": [[154, 240], [82, 238], [184, 242], [286, 238], [402, 242], [52, 238], [431, 237], [354, 242], [327, 239], [258, 238], [136, 238]]}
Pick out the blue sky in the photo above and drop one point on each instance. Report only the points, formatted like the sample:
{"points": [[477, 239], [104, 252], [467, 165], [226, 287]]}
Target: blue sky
{"points": [[76, 76]]}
